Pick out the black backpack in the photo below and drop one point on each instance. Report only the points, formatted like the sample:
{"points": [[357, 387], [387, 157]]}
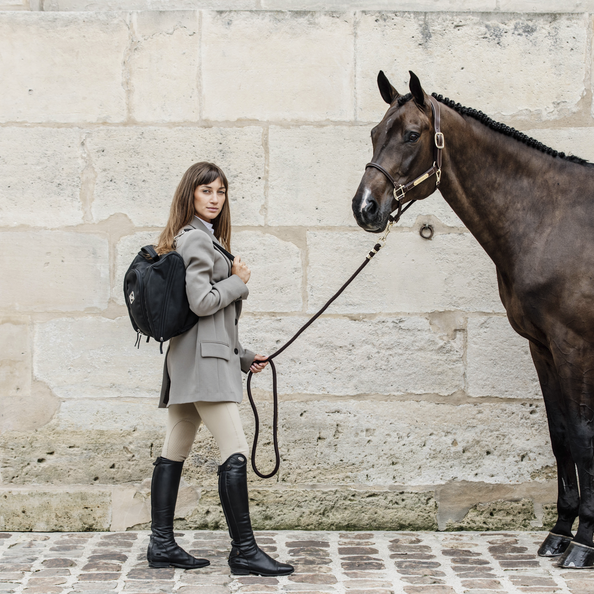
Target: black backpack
{"points": [[155, 294]]}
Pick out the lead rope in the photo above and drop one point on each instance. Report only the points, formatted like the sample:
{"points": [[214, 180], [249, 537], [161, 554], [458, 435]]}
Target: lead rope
{"points": [[376, 248]]}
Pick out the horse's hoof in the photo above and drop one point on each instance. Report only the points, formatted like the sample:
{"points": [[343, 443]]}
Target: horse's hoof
{"points": [[577, 556], [554, 545]]}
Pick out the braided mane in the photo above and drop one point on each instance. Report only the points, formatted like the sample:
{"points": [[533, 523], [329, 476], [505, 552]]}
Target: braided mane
{"points": [[508, 130], [501, 128]]}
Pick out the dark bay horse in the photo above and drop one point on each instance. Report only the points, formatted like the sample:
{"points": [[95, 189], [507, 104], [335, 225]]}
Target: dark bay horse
{"points": [[532, 210]]}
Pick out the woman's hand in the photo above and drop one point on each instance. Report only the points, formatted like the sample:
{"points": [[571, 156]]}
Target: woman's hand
{"points": [[241, 269], [260, 361]]}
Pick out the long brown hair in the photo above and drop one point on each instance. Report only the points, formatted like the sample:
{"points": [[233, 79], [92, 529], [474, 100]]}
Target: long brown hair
{"points": [[182, 207]]}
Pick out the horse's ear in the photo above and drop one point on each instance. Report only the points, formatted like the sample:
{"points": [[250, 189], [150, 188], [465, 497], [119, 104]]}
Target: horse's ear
{"points": [[387, 91], [416, 89]]}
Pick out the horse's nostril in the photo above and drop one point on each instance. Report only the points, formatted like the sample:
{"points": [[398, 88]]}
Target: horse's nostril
{"points": [[370, 208]]}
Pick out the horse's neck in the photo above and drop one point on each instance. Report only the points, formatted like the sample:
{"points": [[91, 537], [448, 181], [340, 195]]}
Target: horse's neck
{"points": [[489, 180]]}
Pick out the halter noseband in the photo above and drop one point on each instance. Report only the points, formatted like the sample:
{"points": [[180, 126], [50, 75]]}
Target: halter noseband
{"points": [[400, 190]]}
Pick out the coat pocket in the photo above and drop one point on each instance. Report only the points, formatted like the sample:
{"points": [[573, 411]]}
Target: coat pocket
{"points": [[219, 350]]}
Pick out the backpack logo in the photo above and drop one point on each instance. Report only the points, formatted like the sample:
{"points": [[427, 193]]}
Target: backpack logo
{"points": [[131, 298]]}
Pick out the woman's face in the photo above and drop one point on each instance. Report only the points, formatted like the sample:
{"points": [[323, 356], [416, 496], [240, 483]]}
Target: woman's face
{"points": [[209, 199]]}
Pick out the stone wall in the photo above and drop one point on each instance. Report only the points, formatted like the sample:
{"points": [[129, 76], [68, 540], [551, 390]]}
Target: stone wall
{"points": [[411, 404]]}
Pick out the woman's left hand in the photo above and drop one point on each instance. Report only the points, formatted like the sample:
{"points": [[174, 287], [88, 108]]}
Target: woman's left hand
{"points": [[260, 361]]}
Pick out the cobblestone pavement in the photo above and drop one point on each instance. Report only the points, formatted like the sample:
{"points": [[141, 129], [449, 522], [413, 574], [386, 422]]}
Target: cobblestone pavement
{"points": [[339, 562]]}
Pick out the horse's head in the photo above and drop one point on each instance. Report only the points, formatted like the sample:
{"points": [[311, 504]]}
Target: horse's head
{"points": [[403, 145]]}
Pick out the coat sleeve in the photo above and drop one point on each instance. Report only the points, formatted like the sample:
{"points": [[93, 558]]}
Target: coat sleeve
{"points": [[246, 358], [204, 296]]}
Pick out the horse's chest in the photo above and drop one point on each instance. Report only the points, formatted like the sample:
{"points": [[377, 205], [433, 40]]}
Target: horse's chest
{"points": [[521, 313]]}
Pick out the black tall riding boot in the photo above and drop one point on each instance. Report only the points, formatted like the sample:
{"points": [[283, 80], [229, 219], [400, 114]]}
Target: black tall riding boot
{"points": [[163, 551], [245, 557]]}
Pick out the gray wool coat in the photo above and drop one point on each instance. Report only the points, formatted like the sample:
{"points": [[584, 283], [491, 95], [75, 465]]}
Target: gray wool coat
{"points": [[205, 363]]}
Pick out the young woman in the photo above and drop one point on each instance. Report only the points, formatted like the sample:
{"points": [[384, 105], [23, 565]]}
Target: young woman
{"points": [[202, 375]]}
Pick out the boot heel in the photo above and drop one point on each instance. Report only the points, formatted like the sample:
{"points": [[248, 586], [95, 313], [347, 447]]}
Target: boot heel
{"points": [[240, 571], [158, 564]]}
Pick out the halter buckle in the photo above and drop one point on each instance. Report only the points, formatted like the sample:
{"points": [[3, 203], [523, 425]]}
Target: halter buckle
{"points": [[439, 140], [399, 193], [437, 177]]}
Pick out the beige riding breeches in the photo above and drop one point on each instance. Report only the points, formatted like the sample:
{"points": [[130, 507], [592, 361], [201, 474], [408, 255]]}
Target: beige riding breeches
{"points": [[221, 419]]}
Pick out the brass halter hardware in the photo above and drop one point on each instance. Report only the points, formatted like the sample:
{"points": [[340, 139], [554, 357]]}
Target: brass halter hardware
{"points": [[400, 190]]}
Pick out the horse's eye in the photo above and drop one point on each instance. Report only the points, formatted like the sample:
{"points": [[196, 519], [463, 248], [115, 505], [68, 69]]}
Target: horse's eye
{"points": [[412, 137]]}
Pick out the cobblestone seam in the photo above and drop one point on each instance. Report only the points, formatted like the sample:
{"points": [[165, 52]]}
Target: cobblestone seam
{"points": [[76, 571], [36, 566], [336, 564], [392, 574], [445, 563], [282, 554], [139, 544], [501, 574]]}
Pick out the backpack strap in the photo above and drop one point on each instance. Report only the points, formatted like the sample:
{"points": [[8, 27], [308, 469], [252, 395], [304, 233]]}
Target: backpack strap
{"points": [[149, 253]]}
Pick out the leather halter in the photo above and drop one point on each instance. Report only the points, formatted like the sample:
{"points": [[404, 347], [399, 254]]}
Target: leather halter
{"points": [[400, 190]]}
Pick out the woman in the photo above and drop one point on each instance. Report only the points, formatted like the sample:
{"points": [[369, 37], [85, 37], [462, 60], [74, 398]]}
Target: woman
{"points": [[202, 375]]}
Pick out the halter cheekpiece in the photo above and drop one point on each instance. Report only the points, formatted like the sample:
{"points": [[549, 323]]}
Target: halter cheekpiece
{"points": [[400, 190]]}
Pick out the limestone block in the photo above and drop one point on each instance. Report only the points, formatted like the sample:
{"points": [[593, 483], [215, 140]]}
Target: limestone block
{"points": [[391, 5], [351, 444], [549, 516], [410, 274], [323, 509], [54, 271], [40, 171], [44, 510], [63, 68], [88, 442], [572, 141], [497, 515], [126, 250], [387, 442], [498, 361], [131, 506], [164, 67], [546, 5], [12, 4], [335, 442], [95, 357], [501, 64], [277, 66], [15, 359], [24, 405], [314, 174], [361, 356], [145, 5], [458, 504], [140, 167], [105, 415], [276, 265], [109, 442]]}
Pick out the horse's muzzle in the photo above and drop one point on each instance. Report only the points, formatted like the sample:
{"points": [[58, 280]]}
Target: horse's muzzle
{"points": [[368, 213]]}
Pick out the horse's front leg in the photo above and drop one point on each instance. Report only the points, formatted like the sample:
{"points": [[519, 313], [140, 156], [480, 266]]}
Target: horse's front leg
{"points": [[568, 501], [575, 366]]}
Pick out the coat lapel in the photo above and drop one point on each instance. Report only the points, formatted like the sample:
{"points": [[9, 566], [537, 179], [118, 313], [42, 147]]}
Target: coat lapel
{"points": [[196, 223]]}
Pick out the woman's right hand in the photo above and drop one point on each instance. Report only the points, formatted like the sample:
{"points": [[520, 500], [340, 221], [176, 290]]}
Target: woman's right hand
{"points": [[241, 269]]}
